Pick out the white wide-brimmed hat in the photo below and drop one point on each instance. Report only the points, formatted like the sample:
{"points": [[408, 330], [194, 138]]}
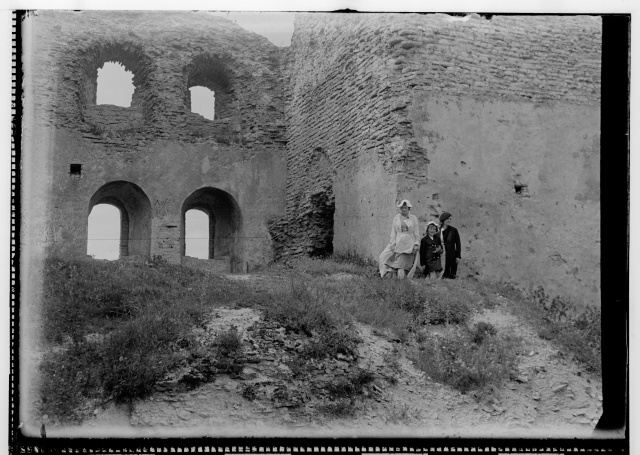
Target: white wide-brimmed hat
{"points": [[405, 202], [432, 222]]}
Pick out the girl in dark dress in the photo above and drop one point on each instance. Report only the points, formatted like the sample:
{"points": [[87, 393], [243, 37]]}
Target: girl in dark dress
{"points": [[430, 251]]}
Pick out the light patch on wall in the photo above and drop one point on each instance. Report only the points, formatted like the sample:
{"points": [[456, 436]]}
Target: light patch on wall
{"points": [[104, 232], [196, 234], [205, 165], [115, 85], [203, 102]]}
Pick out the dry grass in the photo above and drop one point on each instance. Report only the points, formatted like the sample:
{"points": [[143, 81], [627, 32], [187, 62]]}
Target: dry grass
{"points": [[468, 359], [312, 310], [573, 329], [140, 311], [143, 314], [332, 265]]}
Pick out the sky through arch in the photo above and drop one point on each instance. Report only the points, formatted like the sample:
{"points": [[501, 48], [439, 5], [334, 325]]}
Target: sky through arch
{"points": [[196, 237], [103, 239]]}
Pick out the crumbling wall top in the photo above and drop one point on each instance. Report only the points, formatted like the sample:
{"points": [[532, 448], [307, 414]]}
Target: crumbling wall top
{"points": [[168, 52]]}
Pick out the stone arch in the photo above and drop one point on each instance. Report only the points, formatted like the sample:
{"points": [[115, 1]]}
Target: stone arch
{"points": [[210, 71], [135, 215], [225, 222], [107, 117], [320, 221]]}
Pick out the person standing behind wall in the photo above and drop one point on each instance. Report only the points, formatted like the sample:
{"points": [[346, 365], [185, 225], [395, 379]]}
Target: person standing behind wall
{"points": [[451, 240]]}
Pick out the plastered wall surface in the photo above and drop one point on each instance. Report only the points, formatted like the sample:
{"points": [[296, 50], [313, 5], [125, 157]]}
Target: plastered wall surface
{"points": [[510, 124], [159, 151], [365, 195], [546, 234], [252, 181]]}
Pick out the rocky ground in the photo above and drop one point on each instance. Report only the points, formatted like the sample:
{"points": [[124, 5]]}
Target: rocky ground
{"points": [[265, 391]]}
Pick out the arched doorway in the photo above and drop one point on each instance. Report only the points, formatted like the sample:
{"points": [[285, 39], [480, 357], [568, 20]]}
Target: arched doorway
{"points": [[104, 238], [197, 231], [135, 215], [225, 222]]}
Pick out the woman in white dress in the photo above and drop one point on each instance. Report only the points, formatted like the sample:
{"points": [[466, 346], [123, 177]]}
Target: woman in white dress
{"points": [[400, 254]]}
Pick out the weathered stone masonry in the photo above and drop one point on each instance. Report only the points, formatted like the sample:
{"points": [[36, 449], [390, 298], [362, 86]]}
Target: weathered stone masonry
{"points": [[155, 160], [343, 126], [496, 121]]}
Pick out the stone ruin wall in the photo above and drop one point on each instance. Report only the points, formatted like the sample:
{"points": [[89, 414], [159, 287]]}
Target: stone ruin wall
{"points": [[495, 120], [155, 159], [343, 127]]}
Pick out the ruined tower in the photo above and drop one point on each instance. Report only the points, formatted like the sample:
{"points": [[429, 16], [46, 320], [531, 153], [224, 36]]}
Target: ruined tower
{"points": [[155, 159]]}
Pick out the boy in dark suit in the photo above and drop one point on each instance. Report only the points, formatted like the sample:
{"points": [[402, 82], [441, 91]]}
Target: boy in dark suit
{"points": [[451, 240]]}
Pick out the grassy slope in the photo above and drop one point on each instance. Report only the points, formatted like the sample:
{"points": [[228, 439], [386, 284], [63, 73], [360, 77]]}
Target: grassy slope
{"points": [[121, 323], [124, 325]]}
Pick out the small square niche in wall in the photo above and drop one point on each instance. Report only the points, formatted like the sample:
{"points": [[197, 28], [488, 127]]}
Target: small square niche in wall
{"points": [[75, 169]]}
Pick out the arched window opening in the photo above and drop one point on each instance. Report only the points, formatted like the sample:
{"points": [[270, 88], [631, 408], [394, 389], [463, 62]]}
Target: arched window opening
{"points": [[209, 72], [135, 215], [104, 232], [224, 225], [115, 85], [197, 234], [115, 94], [203, 101]]}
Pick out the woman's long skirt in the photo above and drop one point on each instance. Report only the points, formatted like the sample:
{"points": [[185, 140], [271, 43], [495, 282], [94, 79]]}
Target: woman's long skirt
{"points": [[391, 262], [401, 261]]}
